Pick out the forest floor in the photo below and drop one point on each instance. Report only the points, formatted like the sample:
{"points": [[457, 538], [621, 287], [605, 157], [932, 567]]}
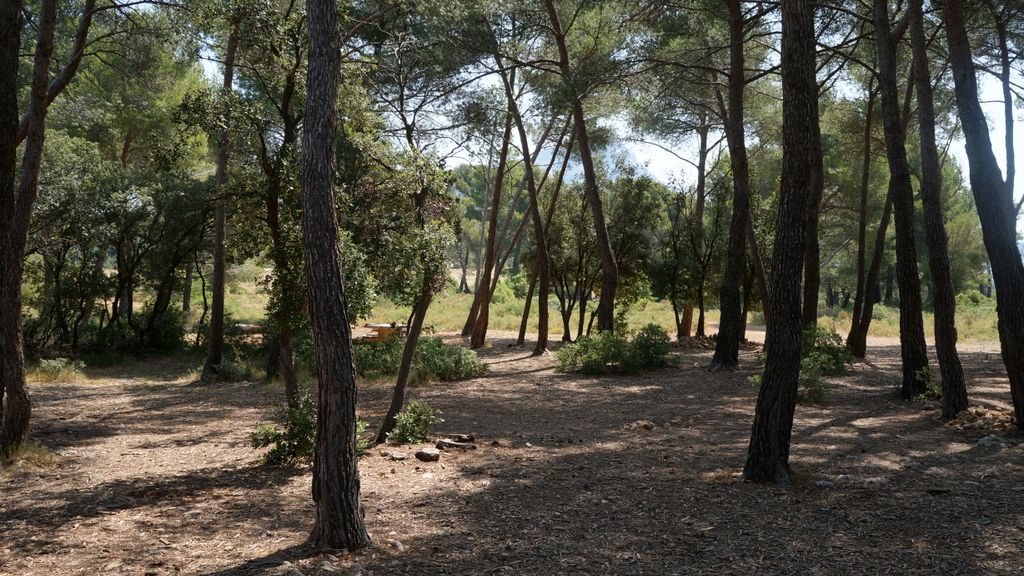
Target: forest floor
{"points": [[572, 475]]}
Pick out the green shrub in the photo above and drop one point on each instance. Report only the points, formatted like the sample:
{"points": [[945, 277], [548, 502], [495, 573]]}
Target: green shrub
{"points": [[519, 284], [376, 359], [434, 360], [823, 348], [652, 345], [438, 361], [57, 369], [503, 292], [413, 424], [932, 386], [812, 388], [610, 352], [295, 441]]}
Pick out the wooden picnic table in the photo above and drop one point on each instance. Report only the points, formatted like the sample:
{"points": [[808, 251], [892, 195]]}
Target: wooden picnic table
{"points": [[384, 331]]}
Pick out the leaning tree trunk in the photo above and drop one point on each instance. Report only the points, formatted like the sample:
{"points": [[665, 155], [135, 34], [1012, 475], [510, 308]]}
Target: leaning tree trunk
{"points": [[913, 350], [408, 355], [733, 320], [862, 222], [857, 339], [339, 515], [993, 204], [609, 267], [215, 341], [483, 297], [954, 391], [768, 453], [539, 233], [186, 290], [16, 209]]}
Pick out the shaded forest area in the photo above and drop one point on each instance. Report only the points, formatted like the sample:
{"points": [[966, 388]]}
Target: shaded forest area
{"points": [[556, 287]]}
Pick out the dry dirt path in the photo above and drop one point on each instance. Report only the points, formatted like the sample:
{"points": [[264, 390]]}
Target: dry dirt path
{"points": [[573, 475]]}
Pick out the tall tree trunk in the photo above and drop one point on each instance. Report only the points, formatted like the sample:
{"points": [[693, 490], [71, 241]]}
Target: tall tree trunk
{"points": [[186, 290], [525, 321], [993, 204], [733, 320], [539, 233], [760, 272], [954, 391], [699, 251], [339, 515], [862, 223], [609, 267], [17, 209], [856, 341], [812, 254], [408, 354], [768, 453], [1005, 72], [483, 298], [215, 341], [913, 350]]}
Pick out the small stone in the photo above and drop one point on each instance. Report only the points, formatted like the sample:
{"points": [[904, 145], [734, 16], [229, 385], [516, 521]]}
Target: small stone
{"points": [[428, 455], [327, 567], [398, 546], [398, 456], [823, 484], [993, 441]]}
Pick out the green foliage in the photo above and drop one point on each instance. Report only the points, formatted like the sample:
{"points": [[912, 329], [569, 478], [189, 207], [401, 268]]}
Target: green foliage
{"points": [[607, 352], [440, 361], [652, 345], [295, 440], [433, 360], [58, 369], [823, 348], [932, 386], [413, 424], [377, 359]]}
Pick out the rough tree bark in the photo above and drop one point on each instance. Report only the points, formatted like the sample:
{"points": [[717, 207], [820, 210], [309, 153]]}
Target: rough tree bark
{"points": [[339, 515], [17, 214], [215, 340], [913, 350], [732, 322], [812, 254], [954, 391], [993, 204], [768, 453], [609, 267]]}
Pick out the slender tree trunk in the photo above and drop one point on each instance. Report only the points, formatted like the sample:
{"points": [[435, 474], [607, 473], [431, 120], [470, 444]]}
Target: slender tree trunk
{"points": [[526, 310], [339, 515], [856, 341], [768, 453], [539, 233], [993, 204], [17, 210], [215, 342], [408, 354], [954, 391], [862, 225], [479, 328], [761, 275], [186, 290], [733, 319], [609, 267], [812, 256], [913, 350], [1005, 72]]}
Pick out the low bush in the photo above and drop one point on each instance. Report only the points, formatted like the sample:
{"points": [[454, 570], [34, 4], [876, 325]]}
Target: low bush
{"points": [[413, 424], [439, 361], [58, 370], [434, 360], [295, 440], [608, 352], [822, 354]]}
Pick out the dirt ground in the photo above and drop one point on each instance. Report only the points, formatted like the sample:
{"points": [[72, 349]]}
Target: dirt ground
{"points": [[572, 475]]}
